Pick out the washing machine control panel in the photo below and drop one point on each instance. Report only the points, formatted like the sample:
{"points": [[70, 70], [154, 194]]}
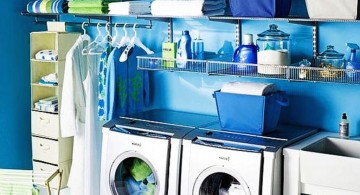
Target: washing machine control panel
{"points": [[149, 129]]}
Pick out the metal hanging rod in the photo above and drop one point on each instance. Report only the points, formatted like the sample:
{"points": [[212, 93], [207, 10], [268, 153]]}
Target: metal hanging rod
{"points": [[102, 24]]}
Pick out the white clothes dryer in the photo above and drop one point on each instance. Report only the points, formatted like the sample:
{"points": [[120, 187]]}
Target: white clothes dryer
{"points": [[220, 162], [141, 154]]}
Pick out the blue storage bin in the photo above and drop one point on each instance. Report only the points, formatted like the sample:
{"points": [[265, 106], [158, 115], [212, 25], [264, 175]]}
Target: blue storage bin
{"points": [[260, 8], [249, 113]]}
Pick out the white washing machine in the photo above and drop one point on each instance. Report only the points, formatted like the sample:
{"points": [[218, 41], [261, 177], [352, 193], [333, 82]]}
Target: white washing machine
{"points": [[218, 162], [141, 153]]}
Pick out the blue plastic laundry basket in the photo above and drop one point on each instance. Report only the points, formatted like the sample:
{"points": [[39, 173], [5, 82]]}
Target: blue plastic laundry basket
{"points": [[249, 113], [260, 8]]}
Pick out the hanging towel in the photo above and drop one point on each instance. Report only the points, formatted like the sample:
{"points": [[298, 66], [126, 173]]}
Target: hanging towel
{"points": [[88, 10], [249, 88], [50, 55], [187, 8]]}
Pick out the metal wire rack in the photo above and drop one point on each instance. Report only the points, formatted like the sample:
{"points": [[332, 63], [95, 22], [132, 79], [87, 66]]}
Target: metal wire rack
{"points": [[22, 182], [223, 66]]}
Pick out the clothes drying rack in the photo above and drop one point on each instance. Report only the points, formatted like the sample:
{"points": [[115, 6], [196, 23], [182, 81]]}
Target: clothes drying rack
{"points": [[14, 181]]}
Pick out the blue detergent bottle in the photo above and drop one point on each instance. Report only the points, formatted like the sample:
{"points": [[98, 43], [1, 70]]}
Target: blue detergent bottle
{"points": [[184, 50], [246, 54], [352, 65]]}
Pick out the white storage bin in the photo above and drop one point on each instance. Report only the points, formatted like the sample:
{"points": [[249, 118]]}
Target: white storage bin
{"points": [[332, 9]]}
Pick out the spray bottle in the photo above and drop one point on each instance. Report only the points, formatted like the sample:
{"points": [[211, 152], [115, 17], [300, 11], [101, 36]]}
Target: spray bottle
{"points": [[352, 63]]}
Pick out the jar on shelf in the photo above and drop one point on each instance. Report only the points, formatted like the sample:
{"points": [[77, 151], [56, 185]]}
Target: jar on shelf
{"points": [[274, 50], [330, 59]]}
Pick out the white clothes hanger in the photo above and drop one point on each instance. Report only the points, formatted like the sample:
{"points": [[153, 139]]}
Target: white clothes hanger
{"points": [[125, 39], [93, 43], [83, 27], [134, 41], [99, 48], [115, 41]]}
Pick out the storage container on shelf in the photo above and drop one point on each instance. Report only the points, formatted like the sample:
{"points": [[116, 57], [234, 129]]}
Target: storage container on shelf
{"points": [[330, 59], [274, 50], [332, 9]]}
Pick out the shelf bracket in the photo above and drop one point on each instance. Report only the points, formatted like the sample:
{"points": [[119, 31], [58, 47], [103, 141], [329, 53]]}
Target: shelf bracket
{"points": [[315, 40], [238, 33], [170, 30]]}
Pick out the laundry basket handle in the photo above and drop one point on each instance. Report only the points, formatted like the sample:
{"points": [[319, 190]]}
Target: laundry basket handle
{"points": [[283, 99]]}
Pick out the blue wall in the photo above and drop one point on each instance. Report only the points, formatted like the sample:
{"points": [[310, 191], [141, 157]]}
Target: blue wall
{"points": [[315, 104], [15, 139]]}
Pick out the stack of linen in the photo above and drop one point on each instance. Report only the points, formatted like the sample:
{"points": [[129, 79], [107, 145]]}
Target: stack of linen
{"points": [[130, 8], [188, 7], [47, 6], [89, 6]]}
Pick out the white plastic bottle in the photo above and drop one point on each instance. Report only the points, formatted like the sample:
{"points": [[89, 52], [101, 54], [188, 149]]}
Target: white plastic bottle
{"points": [[344, 127]]}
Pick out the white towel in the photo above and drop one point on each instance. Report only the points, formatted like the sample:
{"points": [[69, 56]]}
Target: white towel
{"points": [[128, 4], [249, 88], [46, 54], [186, 8], [130, 7]]}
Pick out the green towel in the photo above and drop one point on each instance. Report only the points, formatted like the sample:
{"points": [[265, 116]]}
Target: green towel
{"points": [[88, 10], [88, 4], [140, 170]]}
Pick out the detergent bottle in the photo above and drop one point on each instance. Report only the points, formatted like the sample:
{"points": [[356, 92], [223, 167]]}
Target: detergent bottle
{"points": [[352, 65]]}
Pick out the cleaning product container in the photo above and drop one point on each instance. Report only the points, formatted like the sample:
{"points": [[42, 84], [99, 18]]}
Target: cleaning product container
{"points": [[249, 113], [331, 61], [260, 8], [274, 51], [332, 9]]}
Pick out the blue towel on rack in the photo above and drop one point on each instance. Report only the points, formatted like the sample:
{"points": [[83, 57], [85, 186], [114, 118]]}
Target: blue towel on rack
{"points": [[57, 6], [29, 7], [127, 89], [36, 6]]}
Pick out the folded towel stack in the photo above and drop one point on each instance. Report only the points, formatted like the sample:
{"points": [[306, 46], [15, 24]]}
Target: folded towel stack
{"points": [[47, 6], [130, 7], [89, 6], [188, 7]]}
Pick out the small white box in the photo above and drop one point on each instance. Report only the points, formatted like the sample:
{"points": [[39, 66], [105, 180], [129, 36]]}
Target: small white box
{"points": [[56, 26], [332, 9]]}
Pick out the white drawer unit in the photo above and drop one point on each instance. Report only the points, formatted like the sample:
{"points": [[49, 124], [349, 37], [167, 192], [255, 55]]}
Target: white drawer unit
{"points": [[50, 151], [45, 124]]}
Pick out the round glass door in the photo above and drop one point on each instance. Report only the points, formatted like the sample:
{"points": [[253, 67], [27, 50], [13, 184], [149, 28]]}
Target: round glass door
{"points": [[133, 175], [220, 181]]}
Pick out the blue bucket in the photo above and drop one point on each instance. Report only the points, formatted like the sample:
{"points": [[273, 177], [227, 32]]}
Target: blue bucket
{"points": [[249, 113], [260, 8]]}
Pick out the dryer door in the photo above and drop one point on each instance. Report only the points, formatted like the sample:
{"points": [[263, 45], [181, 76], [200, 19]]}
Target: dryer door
{"points": [[132, 173], [218, 180]]}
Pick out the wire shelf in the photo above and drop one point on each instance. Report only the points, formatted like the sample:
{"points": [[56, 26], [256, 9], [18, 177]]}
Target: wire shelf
{"points": [[154, 62], [224, 66]]}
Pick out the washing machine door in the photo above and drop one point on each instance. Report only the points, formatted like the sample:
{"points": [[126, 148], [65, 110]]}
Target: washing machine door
{"points": [[218, 180], [132, 174]]}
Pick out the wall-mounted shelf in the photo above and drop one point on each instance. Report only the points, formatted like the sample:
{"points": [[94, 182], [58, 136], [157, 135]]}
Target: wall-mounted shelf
{"points": [[222, 65]]}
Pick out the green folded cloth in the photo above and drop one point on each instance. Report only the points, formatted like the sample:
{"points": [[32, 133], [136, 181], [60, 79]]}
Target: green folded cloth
{"points": [[140, 170], [88, 10], [88, 4], [107, 1]]}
